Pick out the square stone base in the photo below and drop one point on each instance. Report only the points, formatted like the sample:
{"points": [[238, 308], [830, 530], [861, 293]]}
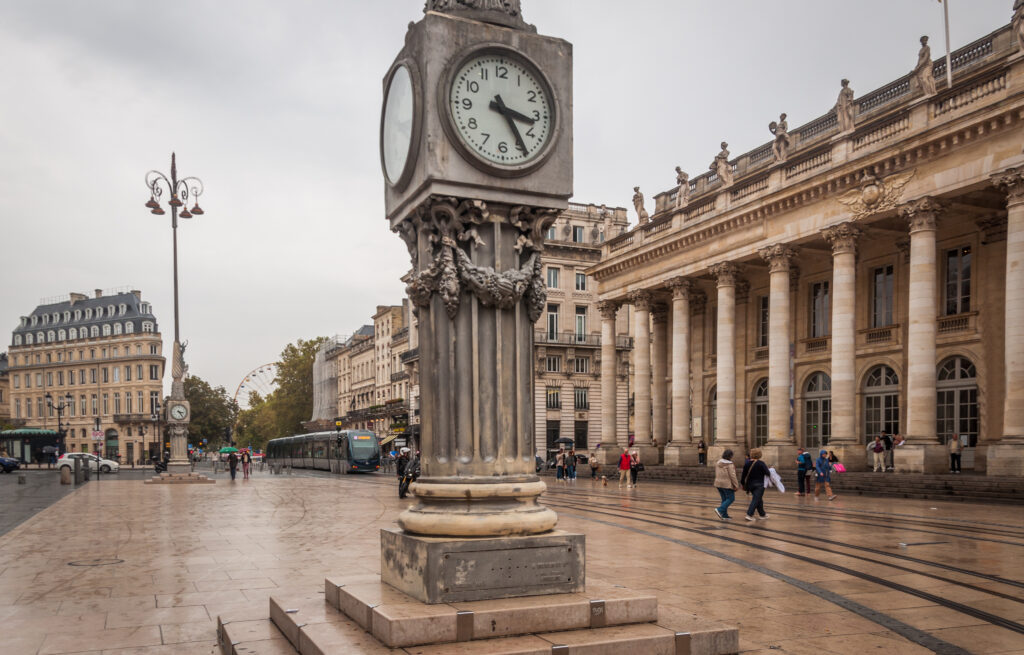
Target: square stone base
{"points": [[854, 456], [681, 455], [781, 456], [649, 455], [921, 459], [1005, 459], [449, 569]]}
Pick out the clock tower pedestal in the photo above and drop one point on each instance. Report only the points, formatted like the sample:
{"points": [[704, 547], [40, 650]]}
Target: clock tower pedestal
{"points": [[178, 412]]}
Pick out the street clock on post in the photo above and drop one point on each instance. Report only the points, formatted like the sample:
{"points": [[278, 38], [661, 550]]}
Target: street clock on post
{"points": [[178, 411]]}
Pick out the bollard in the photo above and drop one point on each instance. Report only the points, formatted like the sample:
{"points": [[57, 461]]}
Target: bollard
{"points": [[78, 471], [86, 470], [22, 479], [65, 475]]}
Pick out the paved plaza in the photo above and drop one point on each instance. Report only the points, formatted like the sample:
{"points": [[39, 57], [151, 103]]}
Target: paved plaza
{"points": [[851, 576]]}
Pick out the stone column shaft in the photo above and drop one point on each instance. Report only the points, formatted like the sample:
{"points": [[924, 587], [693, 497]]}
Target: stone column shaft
{"points": [[1012, 181], [725, 407], [843, 239], [680, 433], [779, 330], [659, 375], [642, 364], [609, 391]]}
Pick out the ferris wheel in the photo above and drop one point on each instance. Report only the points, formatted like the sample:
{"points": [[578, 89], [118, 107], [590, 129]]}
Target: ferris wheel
{"points": [[262, 380]]}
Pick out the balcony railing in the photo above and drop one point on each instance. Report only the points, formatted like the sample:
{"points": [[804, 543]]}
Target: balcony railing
{"points": [[567, 338], [398, 377], [880, 335], [410, 356], [957, 323], [816, 345]]}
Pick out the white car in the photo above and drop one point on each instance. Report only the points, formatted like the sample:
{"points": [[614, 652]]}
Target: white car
{"points": [[67, 460]]}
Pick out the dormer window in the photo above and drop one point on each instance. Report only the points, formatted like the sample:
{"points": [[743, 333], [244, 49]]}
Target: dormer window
{"points": [[51, 336], [88, 313], [147, 326], [56, 318], [40, 338], [17, 340], [129, 327], [123, 309], [62, 335], [73, 333], [24, 321], [117, 329], [28, 339], [99, 312], [110, 310], [94, 331], [106, 329], [46, 319], [67, 317], [35, 321], [78, 314]]}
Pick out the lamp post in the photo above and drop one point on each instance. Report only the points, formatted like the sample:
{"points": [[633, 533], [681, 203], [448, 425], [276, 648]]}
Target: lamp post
{"points": [[156, 427], [60, 407], [181, 191]]}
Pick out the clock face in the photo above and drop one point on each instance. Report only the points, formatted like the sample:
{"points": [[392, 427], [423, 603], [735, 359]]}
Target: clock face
{"points": [[397, 124], [179, 412], [502, 108]]}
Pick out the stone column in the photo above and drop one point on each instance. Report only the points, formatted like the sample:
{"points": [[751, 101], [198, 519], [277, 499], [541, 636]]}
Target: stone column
{"points": [[845, 443], [609, 391], [725, 365], [680, 451], [781, 447], [923, 453], [478, 288], [659, 374], [641, 301], [1007, 456]]}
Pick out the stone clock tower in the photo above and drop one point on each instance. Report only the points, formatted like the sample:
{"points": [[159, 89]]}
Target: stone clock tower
{"points": [[476, 150]]}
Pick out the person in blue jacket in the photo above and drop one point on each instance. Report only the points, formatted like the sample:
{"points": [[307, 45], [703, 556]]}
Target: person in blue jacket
{"points": [[823, 475]]}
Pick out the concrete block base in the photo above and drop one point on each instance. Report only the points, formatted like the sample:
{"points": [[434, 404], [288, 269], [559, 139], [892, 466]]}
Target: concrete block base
{"points": [[649, 455], [1005, 459], [781, 456], [921, 458], [449, 569], [681, 455], [852, 456]]}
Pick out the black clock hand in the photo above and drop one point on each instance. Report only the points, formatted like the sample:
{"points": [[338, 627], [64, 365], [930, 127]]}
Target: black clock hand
{"points": [[500, 107], [503, 109]]}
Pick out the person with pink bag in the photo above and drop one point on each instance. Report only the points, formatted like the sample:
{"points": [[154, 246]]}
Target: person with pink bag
{"points": [[823, 475]]}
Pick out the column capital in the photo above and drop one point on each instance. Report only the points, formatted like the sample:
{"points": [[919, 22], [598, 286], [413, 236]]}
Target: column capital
{"points": [[659, 313], [778, 257], [698, 301], [641, 300], [922, 214], [843, 238], [608, 309], [681, 287], [1011, 181], [725, 273]]}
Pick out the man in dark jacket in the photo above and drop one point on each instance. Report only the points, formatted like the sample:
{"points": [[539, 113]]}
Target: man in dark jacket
{"points": [[233, 464], [887, 440], [804, 467]]}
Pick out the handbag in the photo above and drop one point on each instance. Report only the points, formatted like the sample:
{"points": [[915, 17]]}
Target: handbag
{"points": [[640, 466], [838, 467]]}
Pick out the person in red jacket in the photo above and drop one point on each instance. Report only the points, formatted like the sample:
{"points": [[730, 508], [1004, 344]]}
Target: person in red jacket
{"points": [[624, 462]]}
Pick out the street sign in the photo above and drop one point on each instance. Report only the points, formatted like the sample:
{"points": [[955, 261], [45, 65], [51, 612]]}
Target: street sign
{"points": [[97, 435]]}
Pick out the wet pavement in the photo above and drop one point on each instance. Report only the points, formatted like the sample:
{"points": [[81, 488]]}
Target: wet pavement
{"points": [[121, 567]]}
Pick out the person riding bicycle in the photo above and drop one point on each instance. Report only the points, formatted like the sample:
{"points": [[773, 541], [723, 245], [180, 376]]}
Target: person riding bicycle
{"points": [[402, 461]]}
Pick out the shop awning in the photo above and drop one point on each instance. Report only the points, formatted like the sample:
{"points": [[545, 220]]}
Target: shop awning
{"points": [[388, 439], [28, 432]]}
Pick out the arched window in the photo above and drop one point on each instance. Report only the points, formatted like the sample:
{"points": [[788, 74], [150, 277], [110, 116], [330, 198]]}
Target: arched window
{"points": [[51, 336], [957, 401], [40, 338], [817, 411], [56, 318], [73, 333], [67, 317], [110, 310], [712, 414], [28, 339], [117, 328], [106, 329], [17, 340], [129, 327], [78, 314], [760, 413], [94, 331], [88, 313], [881, 402], [99, 312], [147, 326], [123, 309], [62, 335]]}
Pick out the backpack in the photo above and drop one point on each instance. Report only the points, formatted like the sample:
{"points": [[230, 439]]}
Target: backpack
{"points": [[879, 447]]}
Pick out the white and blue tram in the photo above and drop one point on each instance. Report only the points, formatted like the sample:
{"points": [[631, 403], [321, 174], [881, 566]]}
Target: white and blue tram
{"points": [[347, 451]]}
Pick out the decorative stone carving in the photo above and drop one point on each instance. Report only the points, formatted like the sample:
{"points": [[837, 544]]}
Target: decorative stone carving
{"points": [[778, 257], [844, 108], [843, 237], [501, 12], [683, 194], [725, 273], [1017, 23], [698, 301], [641, 300], [780, 148], [722, 167], [875, 195], [1011, 181], [922, 214], [923, 75], [993, 227], [659, 313], [638, 203], [608, 309], [179, 370], [681, 287], [495, 289]]}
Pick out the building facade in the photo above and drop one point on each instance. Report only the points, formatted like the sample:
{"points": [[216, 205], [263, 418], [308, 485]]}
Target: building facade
{"points": [[5, 391], [861, 273], [102, 357]]}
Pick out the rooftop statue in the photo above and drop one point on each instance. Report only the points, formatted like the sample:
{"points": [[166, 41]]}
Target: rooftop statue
{"points": [[721, 165], [1018, 22], [922, 74], [683, 194], [638, 203], [844, 106], [501, 12], [781, 131]]}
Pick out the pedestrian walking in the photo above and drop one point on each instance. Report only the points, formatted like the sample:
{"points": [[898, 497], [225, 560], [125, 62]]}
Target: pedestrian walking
{"points": [[955, 449], [595, 466], [804, 468], [726, 483], [560, 465], [635, 466], [702, 453], [752, 480], [823, 475], [887, 440], [246, 464], [624, 460], [877, 448], [570, 462], [233, 464]]}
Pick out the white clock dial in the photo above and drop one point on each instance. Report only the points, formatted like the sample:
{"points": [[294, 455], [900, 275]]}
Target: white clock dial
{"points": [[502, 108], [396, 135], [178, 412]]}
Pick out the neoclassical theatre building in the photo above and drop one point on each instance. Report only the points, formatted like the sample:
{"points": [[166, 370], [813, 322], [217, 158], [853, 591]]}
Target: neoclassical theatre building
{"points": [[860, 273]]}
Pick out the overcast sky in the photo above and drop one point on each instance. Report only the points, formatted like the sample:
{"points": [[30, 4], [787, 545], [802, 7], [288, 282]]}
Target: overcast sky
{"points": [[276, 104]]}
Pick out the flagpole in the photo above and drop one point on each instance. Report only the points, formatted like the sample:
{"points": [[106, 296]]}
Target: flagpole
{"points": [[949, 59]]}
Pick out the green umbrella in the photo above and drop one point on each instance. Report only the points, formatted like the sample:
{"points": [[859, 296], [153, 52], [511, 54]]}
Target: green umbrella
{"points": [[229, 449]]}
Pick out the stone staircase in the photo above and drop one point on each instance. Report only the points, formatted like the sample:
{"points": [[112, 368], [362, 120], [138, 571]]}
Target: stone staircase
{"points": [[362, 616]]}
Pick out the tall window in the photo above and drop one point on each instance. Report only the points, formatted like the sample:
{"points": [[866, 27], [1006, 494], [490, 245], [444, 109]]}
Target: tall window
{"points": [[552, 277], [958, 280], [817, 411], [128, 402], [712, 415], [154, 371], [95, 405], [551, 233], [17, 408], [761, 413], [554, 395], [554, 364], [138, 397], [582, 364], [85, 408], [106, 375], [552, 321], [821, 309], [762, 322], [581, 322], [957, 401], [580, 399], [881, 402], [577, 234], [106, 404], [154, 398], [581, 281], [117, 402], [881, 296]]}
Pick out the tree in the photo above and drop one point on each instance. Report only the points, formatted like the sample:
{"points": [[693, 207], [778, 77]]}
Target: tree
{"points": [[213, 411]]}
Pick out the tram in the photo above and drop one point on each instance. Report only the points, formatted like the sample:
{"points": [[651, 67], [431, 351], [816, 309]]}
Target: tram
{"points": [[347, 451]]}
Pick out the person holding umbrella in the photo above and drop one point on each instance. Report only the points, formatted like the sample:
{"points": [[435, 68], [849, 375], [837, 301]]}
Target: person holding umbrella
{"points": [[232, 459]]}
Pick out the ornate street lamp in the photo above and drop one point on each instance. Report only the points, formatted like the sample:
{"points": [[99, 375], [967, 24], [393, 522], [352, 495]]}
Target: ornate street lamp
{"points": [[181, 192], [60, 407]]}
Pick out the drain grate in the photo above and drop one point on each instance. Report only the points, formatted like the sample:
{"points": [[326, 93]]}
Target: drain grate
{"points": [[102, 561]]}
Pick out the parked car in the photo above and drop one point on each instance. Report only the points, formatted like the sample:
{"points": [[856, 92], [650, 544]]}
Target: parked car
{"points": [[95, 463], [8, 464]]}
